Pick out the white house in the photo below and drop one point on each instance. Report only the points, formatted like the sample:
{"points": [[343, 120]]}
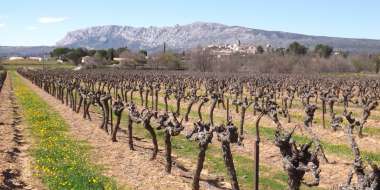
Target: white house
{"points": [[229, 49], [86, 59], [35, 58], [120, 59], [15, 58]]}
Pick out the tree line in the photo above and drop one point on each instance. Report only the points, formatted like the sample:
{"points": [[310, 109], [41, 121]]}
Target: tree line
{"points": [[296, 58], [75, 55]]}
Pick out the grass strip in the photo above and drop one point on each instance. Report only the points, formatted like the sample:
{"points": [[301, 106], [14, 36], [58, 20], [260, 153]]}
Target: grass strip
{"points": [[60, 161]]}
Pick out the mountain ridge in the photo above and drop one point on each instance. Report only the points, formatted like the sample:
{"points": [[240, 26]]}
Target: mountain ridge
{"points": [[8, 51], [183, 37]]}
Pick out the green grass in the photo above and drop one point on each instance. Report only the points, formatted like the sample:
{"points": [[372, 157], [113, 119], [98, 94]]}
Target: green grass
{"points": [[60, 161], [50, 64], [371, 130]]}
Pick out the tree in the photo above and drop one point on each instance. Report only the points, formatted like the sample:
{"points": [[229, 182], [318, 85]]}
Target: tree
{"points": [[75, 55], [377, 63], [110, 54], [170, 60], [101, 54], [143, 52], [323, 50], [362, 62], [202, 59], [128, 58], [120, 51], [91, 52], [1, 62], [58, 52], [280, 51], [260, 49], [296, 49], [140, 58]]}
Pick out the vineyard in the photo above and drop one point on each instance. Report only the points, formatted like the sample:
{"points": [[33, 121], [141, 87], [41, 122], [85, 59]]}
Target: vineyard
{"points": [[171, 130]]}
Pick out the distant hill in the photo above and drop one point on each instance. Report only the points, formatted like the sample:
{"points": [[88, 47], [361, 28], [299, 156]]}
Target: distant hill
{"points": [[7, 51], [182, 37]]}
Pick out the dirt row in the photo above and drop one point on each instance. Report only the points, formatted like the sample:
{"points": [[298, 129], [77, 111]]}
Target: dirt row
{"points": [[15, 161]]}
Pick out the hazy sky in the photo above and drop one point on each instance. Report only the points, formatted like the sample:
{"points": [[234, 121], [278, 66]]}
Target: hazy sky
{"points": [[43, 22]]}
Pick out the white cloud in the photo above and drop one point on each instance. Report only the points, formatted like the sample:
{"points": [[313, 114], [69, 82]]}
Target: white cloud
{"points": [[2, 25], [50, 20], [31, 28]]}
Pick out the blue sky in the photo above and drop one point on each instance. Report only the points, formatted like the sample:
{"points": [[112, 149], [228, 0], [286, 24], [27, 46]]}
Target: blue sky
{"points": [[43, 22]]}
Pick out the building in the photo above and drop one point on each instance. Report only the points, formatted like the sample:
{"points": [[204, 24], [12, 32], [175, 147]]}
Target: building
{"points": [[35, 58], [229, 49], [86, 59], [120, 59], [14, 58]]}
